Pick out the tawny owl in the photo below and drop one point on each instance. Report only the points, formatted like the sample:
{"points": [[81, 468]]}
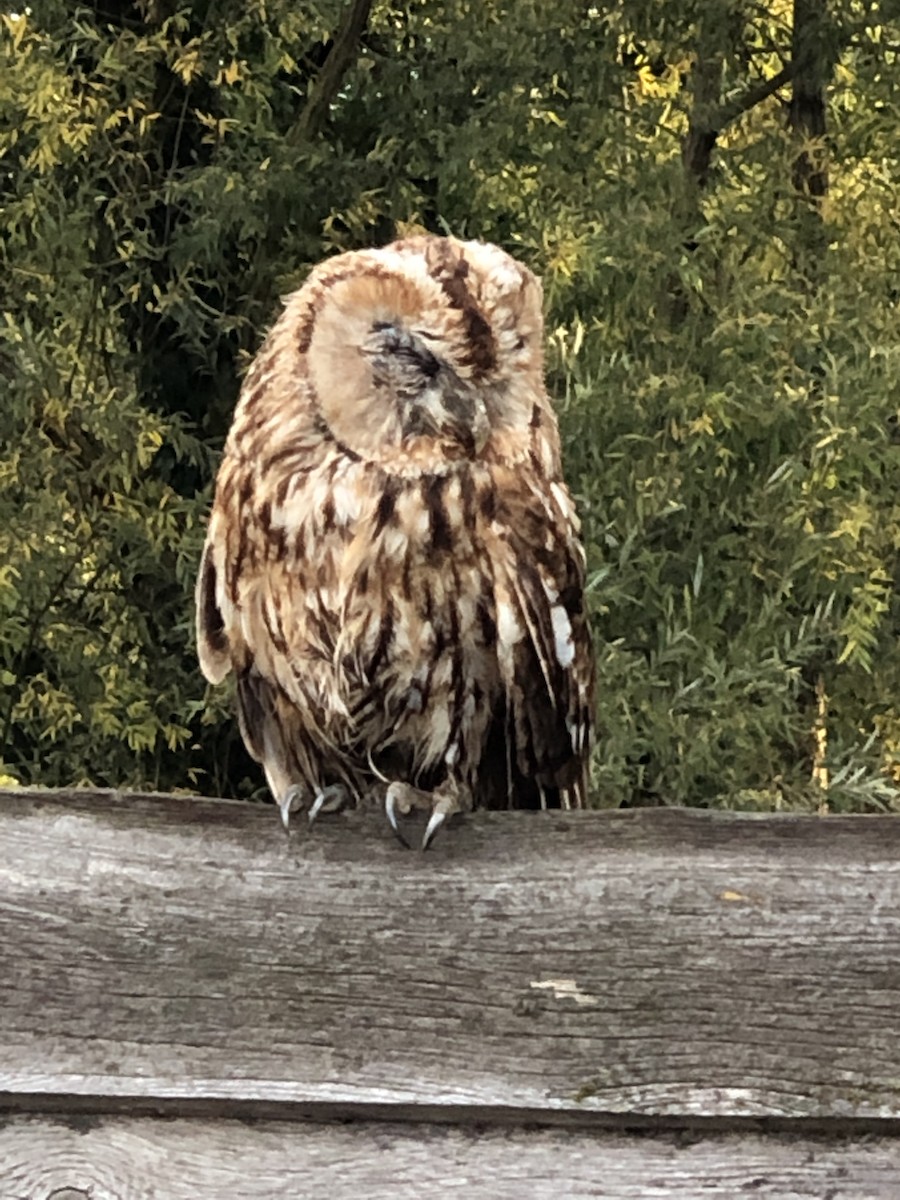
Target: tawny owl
{"points": [[392, 568]]}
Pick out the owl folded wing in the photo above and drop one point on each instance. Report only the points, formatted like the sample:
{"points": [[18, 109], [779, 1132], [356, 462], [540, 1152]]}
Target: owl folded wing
{"points": [[543, 643]]}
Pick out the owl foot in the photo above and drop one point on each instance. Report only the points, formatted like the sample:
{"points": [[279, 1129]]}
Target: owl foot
{"points": [[328, 800], [402, 798]]}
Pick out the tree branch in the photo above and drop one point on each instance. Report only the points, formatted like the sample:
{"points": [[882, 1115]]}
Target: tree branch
{"points": [[326, 87], [701, 137], [753, 96]]}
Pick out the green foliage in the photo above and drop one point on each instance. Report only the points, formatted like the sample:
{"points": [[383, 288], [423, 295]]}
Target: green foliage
{"points": [[721, 336]]}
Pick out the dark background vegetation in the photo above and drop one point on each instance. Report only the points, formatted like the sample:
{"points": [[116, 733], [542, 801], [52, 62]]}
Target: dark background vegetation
{"points": [[711, 192]]}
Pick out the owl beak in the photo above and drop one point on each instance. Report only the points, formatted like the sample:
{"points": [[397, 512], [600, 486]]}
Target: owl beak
{"points": [[481, 426]]}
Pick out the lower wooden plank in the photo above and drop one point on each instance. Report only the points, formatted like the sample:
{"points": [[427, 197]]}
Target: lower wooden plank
{"points": [[136, 1159]]}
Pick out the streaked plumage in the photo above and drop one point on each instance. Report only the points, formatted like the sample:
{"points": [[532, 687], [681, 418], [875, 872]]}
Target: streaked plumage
{"points": [[392, 568]]}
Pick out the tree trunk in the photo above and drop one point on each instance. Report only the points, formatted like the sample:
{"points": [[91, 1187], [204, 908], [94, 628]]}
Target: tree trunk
{"points": [[813, 57]]}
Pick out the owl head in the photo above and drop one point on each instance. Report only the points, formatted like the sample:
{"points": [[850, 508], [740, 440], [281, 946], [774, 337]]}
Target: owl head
{"points": [[424, 350]]}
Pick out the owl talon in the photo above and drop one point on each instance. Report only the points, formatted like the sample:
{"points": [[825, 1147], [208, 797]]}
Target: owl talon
{"points": [[291, 801], [435, 821], [330, 800], [390, 808], [402, 798]]}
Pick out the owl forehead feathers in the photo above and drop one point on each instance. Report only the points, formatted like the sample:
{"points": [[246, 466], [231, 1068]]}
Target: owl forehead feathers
{"points": [[482, 302]]}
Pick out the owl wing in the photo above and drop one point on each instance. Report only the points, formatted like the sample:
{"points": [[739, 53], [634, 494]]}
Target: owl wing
{"points": [[213, 647], [239, 627], [544, 647]]}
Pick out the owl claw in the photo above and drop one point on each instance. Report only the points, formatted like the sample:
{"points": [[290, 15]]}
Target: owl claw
{"points": [[329, 800], [435, 821], [290, 802], [318, 805], [390, 808]]}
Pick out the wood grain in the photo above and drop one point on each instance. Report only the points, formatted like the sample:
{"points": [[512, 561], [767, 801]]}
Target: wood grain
{"points": [[583, 967], [121, 1159]]}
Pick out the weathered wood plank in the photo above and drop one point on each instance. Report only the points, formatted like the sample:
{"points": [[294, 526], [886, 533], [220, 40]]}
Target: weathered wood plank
{"points": [[666, 962], [140, 1159]]}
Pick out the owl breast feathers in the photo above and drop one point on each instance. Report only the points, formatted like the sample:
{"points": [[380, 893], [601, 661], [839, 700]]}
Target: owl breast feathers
{"points": [[392, 567]]}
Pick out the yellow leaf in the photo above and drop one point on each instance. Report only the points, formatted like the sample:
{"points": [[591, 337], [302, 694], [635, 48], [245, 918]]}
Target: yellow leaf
{"points": [[187, 65], [16, 24], [703, 424]]}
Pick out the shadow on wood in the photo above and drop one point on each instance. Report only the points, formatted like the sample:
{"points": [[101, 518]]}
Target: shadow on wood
{"points": [[549, 985]]}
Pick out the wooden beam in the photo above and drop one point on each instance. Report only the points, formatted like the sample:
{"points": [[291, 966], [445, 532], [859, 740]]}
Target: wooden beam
{"points": [[120, 1159], [586, 968]]}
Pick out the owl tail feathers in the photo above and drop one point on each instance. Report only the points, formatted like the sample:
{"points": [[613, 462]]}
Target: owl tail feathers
{"points": [[212, 641]]}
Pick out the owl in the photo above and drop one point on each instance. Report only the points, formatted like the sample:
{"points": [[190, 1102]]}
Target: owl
{"points": [[392, 568]]}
